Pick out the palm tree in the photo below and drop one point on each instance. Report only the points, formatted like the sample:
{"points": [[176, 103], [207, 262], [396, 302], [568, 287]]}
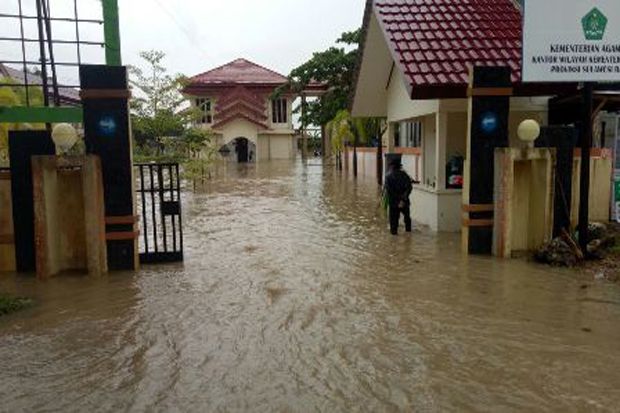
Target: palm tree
{"points": [[344, 128], [340, 133], [375, 128]]}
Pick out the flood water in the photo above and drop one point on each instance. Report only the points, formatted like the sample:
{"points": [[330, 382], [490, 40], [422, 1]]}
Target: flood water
{"points": [[295, 298]]}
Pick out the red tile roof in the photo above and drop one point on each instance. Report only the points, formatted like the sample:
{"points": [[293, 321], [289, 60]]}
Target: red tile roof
{"points": [[239, 115], [238, 72], [240, 102], [435, 42], [240, 93]]}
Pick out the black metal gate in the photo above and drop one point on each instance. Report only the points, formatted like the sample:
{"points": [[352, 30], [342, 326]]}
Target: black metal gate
{"points": [[159, 201]]}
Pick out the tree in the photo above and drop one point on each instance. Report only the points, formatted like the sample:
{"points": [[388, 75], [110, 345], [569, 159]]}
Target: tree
{"points": [[374, 129], [203, 153], [345, 130], [335, 67], [340, 130], [157, 110], [162, 121]]}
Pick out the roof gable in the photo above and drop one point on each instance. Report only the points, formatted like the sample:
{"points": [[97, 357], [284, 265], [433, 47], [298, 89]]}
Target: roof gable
{"points": [[238, 72], [436, 42]]}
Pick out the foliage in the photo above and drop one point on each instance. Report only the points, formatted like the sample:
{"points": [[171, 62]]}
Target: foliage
{"points": [[161, 120], [373, 128], [335, 67], [198, 169], [193, 143], [160, 91], [345, 129], [340, 130], [10, 305], [157, 110], [195, 150], [202, 152]]}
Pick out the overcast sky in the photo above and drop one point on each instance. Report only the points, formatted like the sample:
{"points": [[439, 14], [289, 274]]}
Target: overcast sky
{"points": [[198, 35]]}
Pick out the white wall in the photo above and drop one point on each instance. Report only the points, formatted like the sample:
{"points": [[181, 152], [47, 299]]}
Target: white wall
{"points": [[429, 144], [457, 134], [370, 96], [449, 207], [263, 149], [240, 128], [366, 162], [424, 208], [400, 106], [280, 127], [280, 146], [439, 211]]}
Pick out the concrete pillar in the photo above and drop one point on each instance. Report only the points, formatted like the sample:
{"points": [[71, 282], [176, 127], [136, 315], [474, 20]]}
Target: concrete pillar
{"points": [[441, 128], [269, 148], [390, 137]]}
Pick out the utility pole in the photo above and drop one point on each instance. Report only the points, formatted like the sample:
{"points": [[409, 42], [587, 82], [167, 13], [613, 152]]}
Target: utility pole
{"points": [[355, 143], [111, 33], [586, 145], [304, 137], [42, 55], [380, 157]]}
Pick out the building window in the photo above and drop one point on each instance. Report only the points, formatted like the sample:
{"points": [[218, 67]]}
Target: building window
{"points": [[410, 134], [279, 110], [206, 113]]}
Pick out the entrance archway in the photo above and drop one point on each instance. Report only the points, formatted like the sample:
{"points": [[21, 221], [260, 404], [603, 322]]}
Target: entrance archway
{"points": [[241, 147], [245, 150]]}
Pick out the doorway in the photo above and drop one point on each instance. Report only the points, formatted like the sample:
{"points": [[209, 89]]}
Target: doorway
{"points": [[241, 147], [245, 150]]}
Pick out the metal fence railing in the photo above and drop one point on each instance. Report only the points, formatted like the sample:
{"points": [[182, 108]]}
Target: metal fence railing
{"points": [[39, 63]]}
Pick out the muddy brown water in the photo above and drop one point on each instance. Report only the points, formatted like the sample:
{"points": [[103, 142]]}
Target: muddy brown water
{"points": [[294, 297]]}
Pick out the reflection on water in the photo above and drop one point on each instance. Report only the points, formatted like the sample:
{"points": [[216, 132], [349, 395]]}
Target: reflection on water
{"points": [[294, 297]]}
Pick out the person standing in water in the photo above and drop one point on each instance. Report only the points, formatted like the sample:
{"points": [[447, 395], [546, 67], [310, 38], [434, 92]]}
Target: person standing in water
{"points": [[398, 187]]}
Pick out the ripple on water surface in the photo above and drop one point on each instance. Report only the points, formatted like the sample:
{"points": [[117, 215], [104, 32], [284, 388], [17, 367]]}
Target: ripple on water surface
{"points": [[294, 297]]}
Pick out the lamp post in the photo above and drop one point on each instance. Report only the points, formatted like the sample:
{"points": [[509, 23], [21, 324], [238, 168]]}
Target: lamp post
{"points": [[584, 180], [529, 131], [64, 136]]}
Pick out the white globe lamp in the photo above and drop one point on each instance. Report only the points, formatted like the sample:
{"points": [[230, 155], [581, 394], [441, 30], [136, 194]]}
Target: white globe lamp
{"points": [[529, 131], [64, 136]]}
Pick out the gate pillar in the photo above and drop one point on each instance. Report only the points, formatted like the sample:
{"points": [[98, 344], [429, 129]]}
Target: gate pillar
{"points": [[105, 99], [489, 105]]}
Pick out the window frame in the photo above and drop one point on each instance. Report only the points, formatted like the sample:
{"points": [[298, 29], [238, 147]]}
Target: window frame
{"points": [[205, 105], [279, 111], [413, 135]]}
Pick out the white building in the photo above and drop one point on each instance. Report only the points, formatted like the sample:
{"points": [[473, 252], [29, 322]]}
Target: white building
{"points": [[414, 71]]}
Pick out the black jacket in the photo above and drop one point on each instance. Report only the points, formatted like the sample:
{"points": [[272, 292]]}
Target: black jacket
{"points": [[398, 187]]}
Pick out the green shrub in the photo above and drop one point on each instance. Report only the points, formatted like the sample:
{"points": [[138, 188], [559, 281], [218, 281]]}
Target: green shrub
{"points": [[12, 304]]}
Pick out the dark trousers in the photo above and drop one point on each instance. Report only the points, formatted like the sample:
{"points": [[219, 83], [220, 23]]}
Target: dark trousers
{"points": [[395, 212]]}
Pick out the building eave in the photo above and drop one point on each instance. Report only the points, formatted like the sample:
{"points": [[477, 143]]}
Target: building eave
{"points": [[369, 96]]}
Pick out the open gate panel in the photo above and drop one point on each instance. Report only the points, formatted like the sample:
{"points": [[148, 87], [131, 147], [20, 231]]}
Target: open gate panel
{"points": [[159, 207]]}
